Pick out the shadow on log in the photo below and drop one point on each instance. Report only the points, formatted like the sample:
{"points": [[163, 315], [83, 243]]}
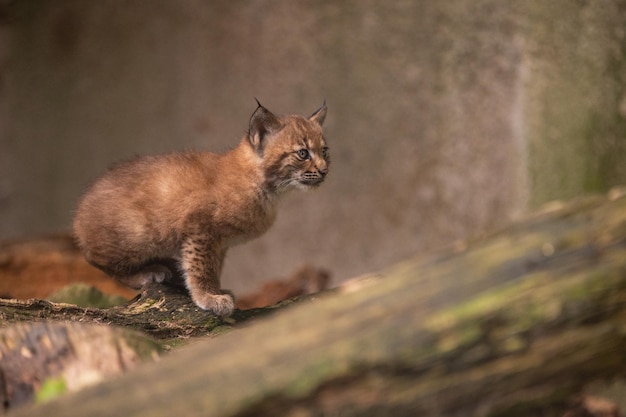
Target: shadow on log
{"points": [[515, 324]]}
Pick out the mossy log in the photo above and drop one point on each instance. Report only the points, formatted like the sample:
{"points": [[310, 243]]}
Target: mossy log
{"points": [[513, 324], [163, 312], [39, 359]]}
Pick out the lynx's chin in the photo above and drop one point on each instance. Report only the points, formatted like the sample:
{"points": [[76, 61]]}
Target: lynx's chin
{"points": [[303, 184]]}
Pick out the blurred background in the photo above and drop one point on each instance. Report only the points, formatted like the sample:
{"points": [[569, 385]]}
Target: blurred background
{"points": [[446, 119]]}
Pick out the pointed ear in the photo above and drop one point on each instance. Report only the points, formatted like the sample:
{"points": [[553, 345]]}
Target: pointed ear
{"points": [[262, 123], [319, 115]]}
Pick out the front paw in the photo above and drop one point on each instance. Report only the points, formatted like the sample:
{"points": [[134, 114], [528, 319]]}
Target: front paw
{"points": [[222, 305]]}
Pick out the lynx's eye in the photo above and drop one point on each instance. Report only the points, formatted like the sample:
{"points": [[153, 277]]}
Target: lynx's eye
{"points": [[303, 154], [325, 152]]}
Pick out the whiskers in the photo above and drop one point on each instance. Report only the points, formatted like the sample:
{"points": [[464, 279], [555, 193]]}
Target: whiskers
{"points": [[281, 185], [286, 175], [285, 184]]}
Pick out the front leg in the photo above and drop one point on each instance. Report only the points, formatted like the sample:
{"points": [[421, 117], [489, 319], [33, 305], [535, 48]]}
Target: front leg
{"points": [[201, 262]]}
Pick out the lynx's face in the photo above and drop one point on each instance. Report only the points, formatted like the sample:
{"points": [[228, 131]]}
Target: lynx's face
{"points": [[295, 153]]}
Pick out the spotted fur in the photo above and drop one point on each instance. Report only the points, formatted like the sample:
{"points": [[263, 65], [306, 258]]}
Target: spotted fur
{"points": [[173, 217]]}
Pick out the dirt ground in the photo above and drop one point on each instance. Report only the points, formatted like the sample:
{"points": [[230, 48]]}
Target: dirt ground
{"points": [[36, 268]]}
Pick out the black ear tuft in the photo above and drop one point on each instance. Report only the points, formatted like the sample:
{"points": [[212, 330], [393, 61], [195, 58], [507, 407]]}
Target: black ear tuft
{"points": [[320, 114], [262, 123]]}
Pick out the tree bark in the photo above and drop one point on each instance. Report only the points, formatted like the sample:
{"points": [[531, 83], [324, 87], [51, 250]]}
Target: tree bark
{"points": [[163, 312], [513, 324], [65, 356]]}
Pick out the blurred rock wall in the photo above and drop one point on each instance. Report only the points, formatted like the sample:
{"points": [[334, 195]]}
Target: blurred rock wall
{"points": [[446, 119]]}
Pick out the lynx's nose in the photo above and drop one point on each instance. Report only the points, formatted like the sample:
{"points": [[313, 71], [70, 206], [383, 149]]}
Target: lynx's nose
{"points": [[322, 167]]}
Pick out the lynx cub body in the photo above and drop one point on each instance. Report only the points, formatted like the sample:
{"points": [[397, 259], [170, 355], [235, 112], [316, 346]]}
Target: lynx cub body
{"points": [[173, 217]]}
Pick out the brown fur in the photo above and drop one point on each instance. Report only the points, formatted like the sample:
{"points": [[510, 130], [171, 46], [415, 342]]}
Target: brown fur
{"points": [[173, 217]]}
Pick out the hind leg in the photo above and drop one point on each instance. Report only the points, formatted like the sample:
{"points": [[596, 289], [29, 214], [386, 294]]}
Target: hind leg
{"points": [[155, 273], [138, 275]]}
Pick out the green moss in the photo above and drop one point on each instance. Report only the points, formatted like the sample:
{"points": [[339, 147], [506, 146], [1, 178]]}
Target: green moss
{"points": [[51, 389], [501, 299], [84, 295]]}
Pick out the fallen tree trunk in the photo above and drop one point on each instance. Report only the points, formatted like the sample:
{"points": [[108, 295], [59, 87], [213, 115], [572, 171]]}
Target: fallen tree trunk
{"points": [[166, 312], [511, 325], [39, 360], [160, 311]]}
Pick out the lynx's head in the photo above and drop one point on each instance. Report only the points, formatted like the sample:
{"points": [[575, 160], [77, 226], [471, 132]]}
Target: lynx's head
{"points": [[293, 148]]}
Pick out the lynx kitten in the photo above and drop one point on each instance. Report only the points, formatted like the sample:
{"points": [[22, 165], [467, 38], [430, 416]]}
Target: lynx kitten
{"points": [[173, 217]]}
